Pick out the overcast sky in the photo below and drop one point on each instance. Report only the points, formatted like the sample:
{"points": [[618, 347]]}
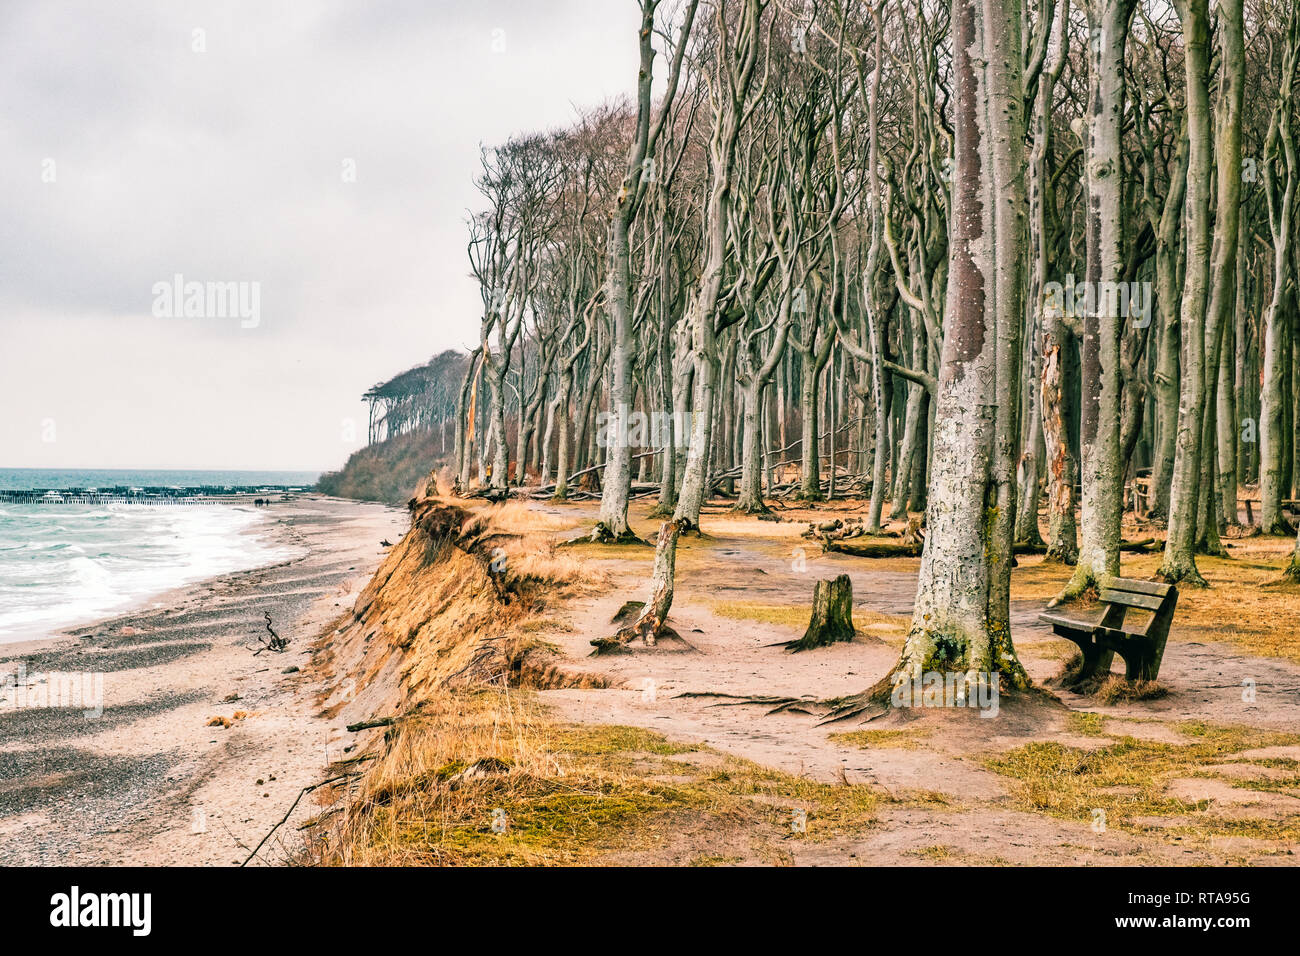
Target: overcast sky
{"points": [[128, 156]]}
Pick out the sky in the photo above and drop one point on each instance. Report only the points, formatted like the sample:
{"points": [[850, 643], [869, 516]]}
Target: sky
{"points": [[319, 154]]}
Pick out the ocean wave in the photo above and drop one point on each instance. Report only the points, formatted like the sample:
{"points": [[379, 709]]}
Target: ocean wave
{"points": [[74, 571]]}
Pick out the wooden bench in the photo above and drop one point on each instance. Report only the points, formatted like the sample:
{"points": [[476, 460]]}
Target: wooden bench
{"points": [[1141, 646]]}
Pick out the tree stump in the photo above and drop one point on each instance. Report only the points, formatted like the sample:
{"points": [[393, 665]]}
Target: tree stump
{"points": [[832, 615]]}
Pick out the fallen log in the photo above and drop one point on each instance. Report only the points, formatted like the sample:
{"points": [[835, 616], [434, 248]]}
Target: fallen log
{"points": [[1135, 546], [889, 549], [875, 549], [370, 724]]}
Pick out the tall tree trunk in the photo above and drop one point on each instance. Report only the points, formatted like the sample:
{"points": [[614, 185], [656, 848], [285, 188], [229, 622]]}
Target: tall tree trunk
{"points": [[501, 450], [1056, 384], [618, 463], [1272, 399], [961, 617], [465, 423], [1168, 369], [1100, 408], [731, 84], [1223, 267], [1180, 546]]}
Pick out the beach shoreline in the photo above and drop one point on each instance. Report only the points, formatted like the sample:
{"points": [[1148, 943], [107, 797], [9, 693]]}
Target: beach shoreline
{"points": [[147, 779], [265, 533]]}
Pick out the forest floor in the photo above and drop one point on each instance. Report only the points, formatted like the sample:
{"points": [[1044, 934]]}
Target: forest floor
{"points": [[1206, 774]]}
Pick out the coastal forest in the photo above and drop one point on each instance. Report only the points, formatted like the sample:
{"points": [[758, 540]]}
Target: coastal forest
{"points": [[1021, 274], [866, 368]]}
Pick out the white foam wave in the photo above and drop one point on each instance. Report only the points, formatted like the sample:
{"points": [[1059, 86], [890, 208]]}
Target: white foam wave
{"points": [[59, 575]]}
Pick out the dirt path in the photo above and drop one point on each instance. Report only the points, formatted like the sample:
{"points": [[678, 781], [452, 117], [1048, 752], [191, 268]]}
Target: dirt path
{"points": [[149, 781], [739, 595]]}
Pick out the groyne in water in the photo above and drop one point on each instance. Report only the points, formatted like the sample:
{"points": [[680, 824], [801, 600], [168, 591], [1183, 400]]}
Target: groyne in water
{"points": [[200, 495]]}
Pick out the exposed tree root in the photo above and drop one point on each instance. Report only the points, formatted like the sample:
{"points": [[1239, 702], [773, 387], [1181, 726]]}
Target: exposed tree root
{"points": [[691, 528], [1281, 528], [802, 705], [1215, 550], [601, 534], [1187, 576], [758, 510], [1057, 556], [870, 704], [1078, 588], [1033, 540]]}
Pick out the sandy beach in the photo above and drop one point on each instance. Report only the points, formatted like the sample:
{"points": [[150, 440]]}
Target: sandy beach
{"points": [[150, 780]]}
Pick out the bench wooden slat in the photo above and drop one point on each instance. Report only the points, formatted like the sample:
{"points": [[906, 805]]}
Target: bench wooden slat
{"points": [[1069, 623], [1140, 587], [1148, 602]]}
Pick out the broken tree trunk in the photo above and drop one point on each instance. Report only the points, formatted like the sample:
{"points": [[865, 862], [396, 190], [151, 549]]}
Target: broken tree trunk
{"points": [[832, 615], [649, 625]]}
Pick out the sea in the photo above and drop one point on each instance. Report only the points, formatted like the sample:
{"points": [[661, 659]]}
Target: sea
{"points": [[64, 565]]}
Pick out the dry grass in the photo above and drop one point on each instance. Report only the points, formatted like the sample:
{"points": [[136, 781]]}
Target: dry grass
{"points": [[561, 795], [938, 853], [1086, 724], [469, 754], [1107, 688], [478, 758], [1117, 690], [461, 613], [1128, 779], [520, 517], [465, 755]]}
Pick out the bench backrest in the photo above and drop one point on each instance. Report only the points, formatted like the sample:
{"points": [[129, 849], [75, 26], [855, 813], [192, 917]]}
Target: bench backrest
{"points": [[1124, 593]]}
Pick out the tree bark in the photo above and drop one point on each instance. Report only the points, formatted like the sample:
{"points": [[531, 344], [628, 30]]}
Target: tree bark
{"points": [[1100, 404], [651, 623], [1280, 202], [961, 620], [1180, 546]]}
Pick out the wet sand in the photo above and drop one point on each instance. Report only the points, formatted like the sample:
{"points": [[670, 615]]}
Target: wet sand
{"points": [[148, 781]]}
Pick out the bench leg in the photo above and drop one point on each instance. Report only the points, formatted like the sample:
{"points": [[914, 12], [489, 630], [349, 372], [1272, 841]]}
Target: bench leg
{"points": [[1096, 659], [1140, 663]]}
